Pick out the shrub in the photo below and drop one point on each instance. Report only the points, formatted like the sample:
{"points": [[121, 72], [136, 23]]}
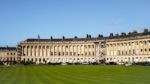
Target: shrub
{"points": [[142, 63], [111, 63], [1, 63], [27, 62]]}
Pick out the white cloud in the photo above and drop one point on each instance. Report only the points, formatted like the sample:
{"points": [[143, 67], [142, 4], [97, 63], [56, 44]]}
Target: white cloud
{"points": [[114, 23]]}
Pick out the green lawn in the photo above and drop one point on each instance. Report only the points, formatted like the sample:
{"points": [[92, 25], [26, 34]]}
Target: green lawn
{"points": [[75, 75]]}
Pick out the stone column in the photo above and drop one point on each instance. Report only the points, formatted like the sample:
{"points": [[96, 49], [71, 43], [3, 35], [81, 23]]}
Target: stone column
{"points": [[83, 52], [43, 47], [72, 50], [57, 50], [53, 50], [61, 50], [45, 50], [23, 50], [87, 50], [37, 51], [80, 52], [49, 52], [64, 50], [33, 48], [30, 50], [27, 50], [77, 50], [40, 50], [69, 50]]}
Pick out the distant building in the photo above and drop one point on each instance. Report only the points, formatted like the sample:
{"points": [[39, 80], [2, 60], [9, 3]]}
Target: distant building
{"points": [[123, 48], [8, 55]]}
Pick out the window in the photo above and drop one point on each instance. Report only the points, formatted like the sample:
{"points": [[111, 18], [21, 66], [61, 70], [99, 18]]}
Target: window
{"points": [[40, 60], [122, 53], [133, 51], [126, 52], [85, 53], [129, 51], [89, 46], [73, 53], [107, 45], [85, 46], [89, 53], [70, 53], [59, 54], [51, 53], [93, 46], [55, 53], [66, 46], [32, 59], [93, 53], [66, 53], [118, 52], [145, 42], [129, 43]]}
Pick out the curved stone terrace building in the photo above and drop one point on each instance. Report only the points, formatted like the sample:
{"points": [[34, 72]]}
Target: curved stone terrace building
{"points": [[62, 50], [123, 48], [134, 47]]}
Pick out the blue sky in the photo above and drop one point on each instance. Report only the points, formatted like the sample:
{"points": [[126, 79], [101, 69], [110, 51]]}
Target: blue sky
{"points": [[22, 19]]}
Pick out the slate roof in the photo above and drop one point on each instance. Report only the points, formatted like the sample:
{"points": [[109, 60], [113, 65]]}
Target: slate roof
{"points": [[132, 34], [7, 48]]}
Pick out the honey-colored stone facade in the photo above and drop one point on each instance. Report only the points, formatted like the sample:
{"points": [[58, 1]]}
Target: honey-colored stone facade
{"points": [[8, 55], [128, 50], [61, 51], [131, 48]]}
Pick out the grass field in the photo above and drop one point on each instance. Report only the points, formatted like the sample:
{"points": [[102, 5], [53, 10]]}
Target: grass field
{"points": [[75, 75]]}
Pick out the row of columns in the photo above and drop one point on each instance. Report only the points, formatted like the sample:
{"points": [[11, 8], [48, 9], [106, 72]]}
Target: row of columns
{"points": [[67, 50], [134, 47]]}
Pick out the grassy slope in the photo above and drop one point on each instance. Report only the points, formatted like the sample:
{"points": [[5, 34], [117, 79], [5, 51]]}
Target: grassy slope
{"points": [[75, 75]]}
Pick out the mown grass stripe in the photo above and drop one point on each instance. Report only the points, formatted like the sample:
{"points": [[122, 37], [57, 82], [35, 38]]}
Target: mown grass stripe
{"points": [[75, 75], [6, 75]]}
